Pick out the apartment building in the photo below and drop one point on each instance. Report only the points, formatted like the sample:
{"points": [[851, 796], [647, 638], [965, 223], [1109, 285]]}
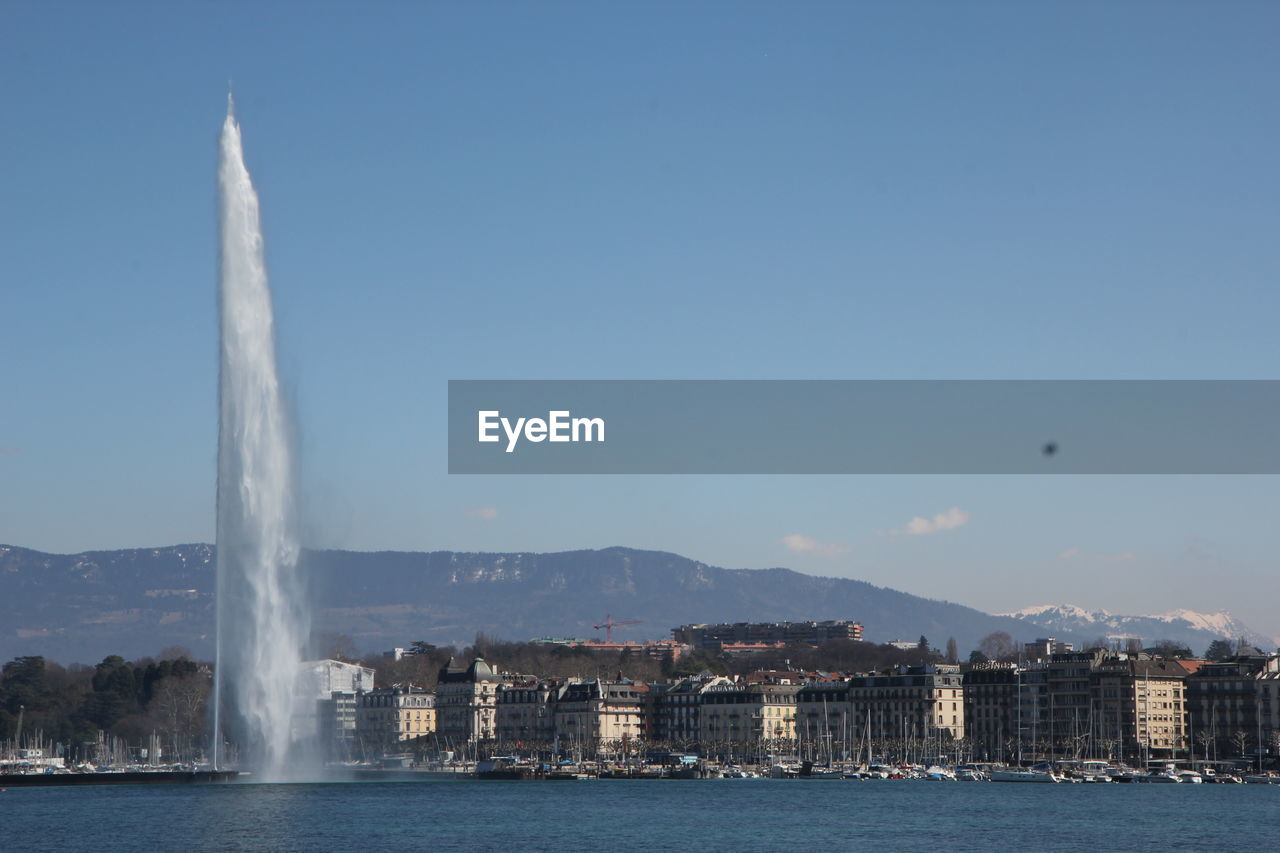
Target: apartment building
{"points": [[747, 714], [601, 716], [466, 703], [525, 712], [386, 716]]}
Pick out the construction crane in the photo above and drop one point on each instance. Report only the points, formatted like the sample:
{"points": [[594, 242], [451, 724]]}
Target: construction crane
{"points": [[610, 623]]}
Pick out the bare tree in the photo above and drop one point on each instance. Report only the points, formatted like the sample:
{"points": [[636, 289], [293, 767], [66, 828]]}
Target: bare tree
{"points": [[997, 645], [337, 647], [1204, 739], [178, 711]]}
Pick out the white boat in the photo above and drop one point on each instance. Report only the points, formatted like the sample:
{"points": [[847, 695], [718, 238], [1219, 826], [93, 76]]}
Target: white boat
{"points": [[1023, 776], [1161, 777], [1223, 778], [1190, 776]]}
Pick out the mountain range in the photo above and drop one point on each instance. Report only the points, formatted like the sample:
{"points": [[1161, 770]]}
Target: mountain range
{"points": [[1195, 630], [134, 602]]}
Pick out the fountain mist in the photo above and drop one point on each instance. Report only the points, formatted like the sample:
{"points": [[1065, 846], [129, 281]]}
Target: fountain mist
{"points": [[262, 616]]}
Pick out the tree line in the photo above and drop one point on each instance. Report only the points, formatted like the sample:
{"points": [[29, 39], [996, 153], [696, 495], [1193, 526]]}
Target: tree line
{"points": [[77, 708]]}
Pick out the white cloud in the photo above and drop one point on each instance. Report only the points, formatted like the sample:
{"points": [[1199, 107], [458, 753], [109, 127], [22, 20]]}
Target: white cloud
{"points": [[485, 513], [948, 519], [808, 545]]}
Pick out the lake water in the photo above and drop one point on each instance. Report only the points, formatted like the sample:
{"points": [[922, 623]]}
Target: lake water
{"points": [[617, 815]]}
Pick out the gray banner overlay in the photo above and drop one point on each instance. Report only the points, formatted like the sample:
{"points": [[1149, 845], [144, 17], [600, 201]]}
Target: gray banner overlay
{"points": [[864, 427]]}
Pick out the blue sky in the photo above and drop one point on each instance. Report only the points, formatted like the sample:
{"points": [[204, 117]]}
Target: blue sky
{"points": [[647, 190]]}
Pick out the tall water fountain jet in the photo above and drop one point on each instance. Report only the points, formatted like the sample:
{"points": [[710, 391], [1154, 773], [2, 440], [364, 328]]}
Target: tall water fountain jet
{"points": [[262, 615]]}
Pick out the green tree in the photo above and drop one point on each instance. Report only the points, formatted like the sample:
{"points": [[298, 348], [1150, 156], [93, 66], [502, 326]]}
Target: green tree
{"points": [[115, 691], [1219, 650], [24, 684]]}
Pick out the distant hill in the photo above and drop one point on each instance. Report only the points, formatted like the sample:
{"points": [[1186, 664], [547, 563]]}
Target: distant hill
{"points": [[1195, 630], [80, 607]]}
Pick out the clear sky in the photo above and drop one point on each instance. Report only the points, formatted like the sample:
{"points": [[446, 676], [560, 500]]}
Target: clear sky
{"points": [[645, 190]]}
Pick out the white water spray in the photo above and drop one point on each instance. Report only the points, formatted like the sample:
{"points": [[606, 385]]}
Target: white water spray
{"points": [[262, 614]]}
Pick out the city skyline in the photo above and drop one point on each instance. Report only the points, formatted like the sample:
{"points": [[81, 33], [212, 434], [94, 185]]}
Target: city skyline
{"points": [[452, 192]]}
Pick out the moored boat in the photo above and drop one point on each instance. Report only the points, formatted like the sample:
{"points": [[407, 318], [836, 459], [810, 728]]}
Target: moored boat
{"points": [[1016, 775], [1262, 779]]}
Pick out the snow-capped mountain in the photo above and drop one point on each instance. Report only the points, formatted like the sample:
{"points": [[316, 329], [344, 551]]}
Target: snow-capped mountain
{"points": [[1188, 627]]}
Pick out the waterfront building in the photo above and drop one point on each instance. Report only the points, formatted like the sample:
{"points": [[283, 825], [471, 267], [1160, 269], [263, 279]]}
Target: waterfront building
{"points": [[713, 637], [525, 712], [1234, 705], [323, 677], [990, 690], [1003, 709], [329, 691], [1079, 705], [1070, 699], [386, 716], [910, 702], [826, 726], [466, 703], [676, 709], [1267, 684], [761, 714], [593, 716], [1138, 704]]}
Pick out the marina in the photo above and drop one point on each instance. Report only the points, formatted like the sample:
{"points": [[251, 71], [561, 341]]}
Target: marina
{"points": [[513, 769]]}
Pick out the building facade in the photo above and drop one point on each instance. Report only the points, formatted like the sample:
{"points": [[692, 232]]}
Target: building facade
{"points": [[1234, 706], [912, 702], [595, 717], [705, 636], [466, 704], [525, 714], [386, 716], [1138, 709], [761, 715], [676, 713], [329, 690]]}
